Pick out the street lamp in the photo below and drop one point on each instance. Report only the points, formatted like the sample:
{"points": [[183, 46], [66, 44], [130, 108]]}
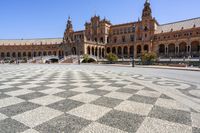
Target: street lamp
{"points": [[133, 60], [78, 50]]}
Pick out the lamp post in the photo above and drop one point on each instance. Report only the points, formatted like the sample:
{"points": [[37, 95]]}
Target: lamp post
{"points": [[133, 60], [78, 50]]}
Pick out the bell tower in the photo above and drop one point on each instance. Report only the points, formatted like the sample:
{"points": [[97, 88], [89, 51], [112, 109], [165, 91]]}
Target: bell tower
{"points": [[147, 13], [68, 31], [147, 21]]}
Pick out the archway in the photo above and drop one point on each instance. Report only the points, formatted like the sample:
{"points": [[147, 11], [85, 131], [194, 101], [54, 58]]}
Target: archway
{"points": [[171, 49], [39, 53], [146, 48], [119, 51], [35, 54], [29, 54], [195, 49], [139, 49], [74, 51], [108, 50], [100, 53], [49, 53], [96, 51], [8, 54], [88, 50], [131, 51], [92, 50], [125, 51], [103, 52], [182, 49], [13, 54], [114, 50], [54, 53], [161, 49], [24, 54], [44, 53], [2, 55]]}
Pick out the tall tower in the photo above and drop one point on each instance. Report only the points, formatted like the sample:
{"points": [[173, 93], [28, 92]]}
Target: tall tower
{"points": [[68, 31], [148, 26], [69, 26], [147, 13]]}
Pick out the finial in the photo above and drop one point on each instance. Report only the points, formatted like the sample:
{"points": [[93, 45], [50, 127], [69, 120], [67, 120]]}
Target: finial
{"points": [[147, 1], [69, 18]]}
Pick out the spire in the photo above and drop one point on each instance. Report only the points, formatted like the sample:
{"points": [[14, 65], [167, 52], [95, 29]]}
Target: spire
{"points": [[147, 1], [147, 13], [69, 24]]}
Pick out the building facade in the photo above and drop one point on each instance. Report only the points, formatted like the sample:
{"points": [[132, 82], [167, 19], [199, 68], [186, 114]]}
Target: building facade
{"points": [[172, 40]]}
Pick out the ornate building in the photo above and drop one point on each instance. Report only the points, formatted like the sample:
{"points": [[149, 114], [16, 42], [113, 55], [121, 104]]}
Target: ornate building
{"points": [[177, 39]]}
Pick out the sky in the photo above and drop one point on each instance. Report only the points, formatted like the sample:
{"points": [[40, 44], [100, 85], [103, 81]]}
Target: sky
{"points": [[26, 19]]}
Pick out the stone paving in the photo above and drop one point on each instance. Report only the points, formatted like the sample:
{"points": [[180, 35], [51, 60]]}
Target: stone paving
{"points": [[63, 99]]}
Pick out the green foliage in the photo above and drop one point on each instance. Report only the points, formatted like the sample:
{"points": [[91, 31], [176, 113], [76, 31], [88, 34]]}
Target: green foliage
{"points": [[149, 58], [86, 58], [111, 57]]}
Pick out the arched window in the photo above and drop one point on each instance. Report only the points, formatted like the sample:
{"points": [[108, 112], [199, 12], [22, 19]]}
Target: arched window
{"points": [[88, 50], [24, 54], [19, 54], [8, 54], [108, 50], [139, 49], [161, 49], [73, 51], [126, 51], [114, 50]]}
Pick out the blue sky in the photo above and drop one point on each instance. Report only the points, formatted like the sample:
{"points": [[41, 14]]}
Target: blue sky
{"points": [[47, 18]]}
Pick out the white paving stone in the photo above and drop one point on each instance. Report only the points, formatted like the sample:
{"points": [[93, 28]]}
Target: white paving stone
{"points": [[196, 120], [55, 85], [30, 131], [118, 95], [148, 93], [28, 86], [109, 88], [5, 87], [82, 89], [52, 91], [171, 104], [134, 87], [19, 92], [100, 128], [89, 111], [37, 116], [84, 97], [2, 117], [151, 125], [134, 107], [46, 100], [9, 101]]}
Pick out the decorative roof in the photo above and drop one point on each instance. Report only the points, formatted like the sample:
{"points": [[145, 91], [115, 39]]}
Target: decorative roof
{"points": [[125, 24], [180, 25], [47, 41]]}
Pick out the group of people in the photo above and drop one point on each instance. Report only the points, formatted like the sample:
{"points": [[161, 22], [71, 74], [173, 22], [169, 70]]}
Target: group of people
{"points": [[10, 61]]}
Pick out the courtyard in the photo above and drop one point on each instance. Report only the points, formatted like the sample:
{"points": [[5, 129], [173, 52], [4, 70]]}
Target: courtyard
{"points": [[98, 99]]}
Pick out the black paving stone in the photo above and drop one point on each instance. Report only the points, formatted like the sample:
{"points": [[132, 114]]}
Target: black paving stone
{"points": [[171, 115]]}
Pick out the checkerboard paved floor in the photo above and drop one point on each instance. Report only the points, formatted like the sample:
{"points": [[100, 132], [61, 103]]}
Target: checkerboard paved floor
{"points": [[57, 99]]}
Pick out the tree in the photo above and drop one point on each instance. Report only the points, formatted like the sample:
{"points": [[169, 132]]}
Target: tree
{"points": [[149, 58], [86, 58], [111, 57]]}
